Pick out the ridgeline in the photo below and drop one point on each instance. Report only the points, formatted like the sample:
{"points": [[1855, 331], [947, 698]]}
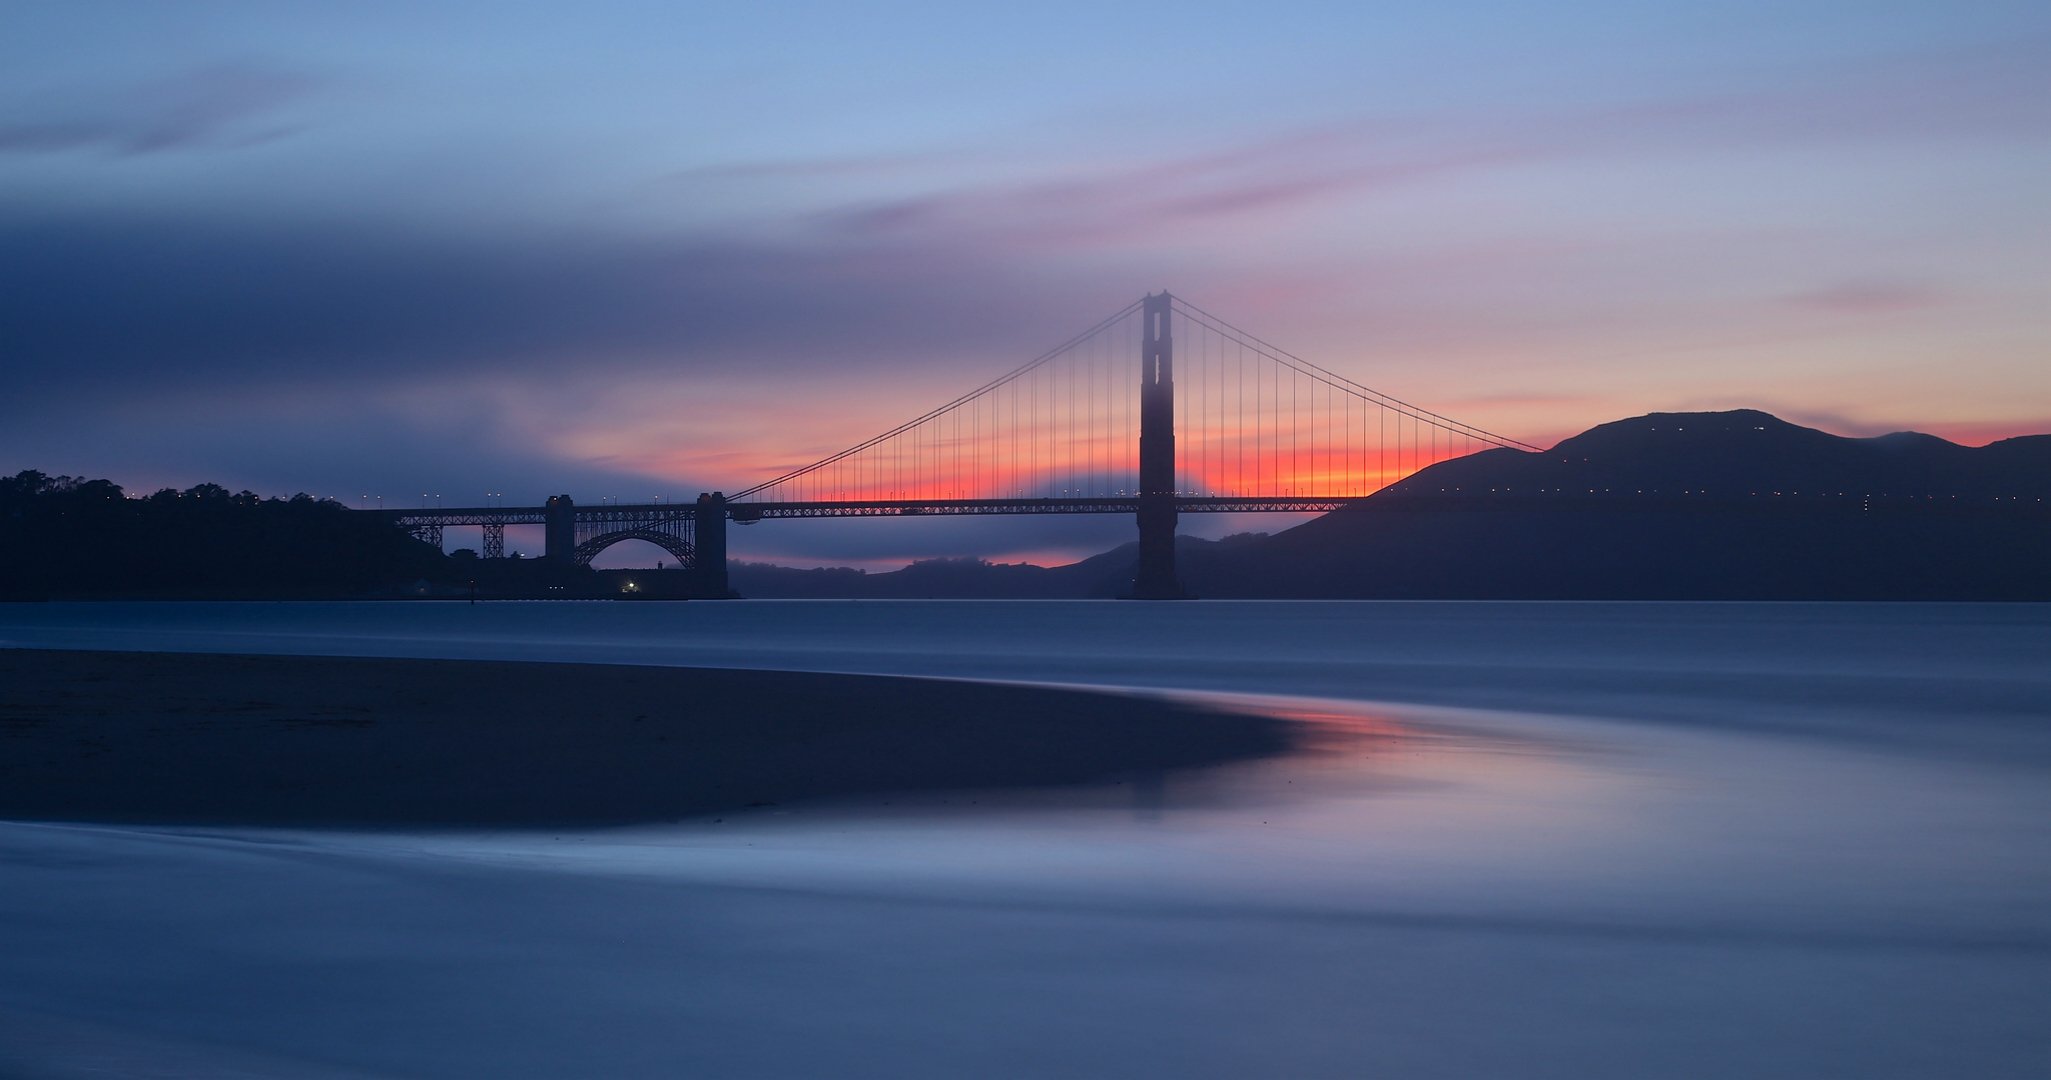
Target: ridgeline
{"points": [[1736, 505]]}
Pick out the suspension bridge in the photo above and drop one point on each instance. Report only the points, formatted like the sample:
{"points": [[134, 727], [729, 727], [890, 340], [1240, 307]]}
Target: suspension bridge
{"points": [[1158, 410]]}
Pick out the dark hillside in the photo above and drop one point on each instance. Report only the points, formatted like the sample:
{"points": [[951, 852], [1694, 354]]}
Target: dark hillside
{"points": [[1731, 505]]}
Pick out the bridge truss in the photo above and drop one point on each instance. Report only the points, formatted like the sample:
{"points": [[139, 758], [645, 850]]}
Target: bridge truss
{"points": [[592, 528], [671, 528]]}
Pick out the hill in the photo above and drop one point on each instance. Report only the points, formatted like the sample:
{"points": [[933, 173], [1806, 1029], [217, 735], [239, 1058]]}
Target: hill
{"points": [[1745, 453], [1736, 505]]}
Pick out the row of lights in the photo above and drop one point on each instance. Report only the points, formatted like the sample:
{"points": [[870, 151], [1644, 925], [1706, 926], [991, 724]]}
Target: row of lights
{"points": [[424, 496], [491, 498], [496, 498]]}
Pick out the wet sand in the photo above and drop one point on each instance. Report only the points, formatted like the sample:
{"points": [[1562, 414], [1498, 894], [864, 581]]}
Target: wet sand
{"points": [[178, 738]]}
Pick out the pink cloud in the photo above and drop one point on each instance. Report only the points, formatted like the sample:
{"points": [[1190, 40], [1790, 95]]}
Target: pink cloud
{"points": [[1873, 297], [1100, 202], [1963, 432], [1982, 432], [1121, 202]]}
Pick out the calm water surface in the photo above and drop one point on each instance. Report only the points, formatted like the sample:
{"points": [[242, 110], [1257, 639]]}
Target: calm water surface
{"points": [[1534, 840], [1627, 660]]}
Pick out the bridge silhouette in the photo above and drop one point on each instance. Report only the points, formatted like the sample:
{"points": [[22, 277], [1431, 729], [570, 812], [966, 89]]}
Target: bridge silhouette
{"points": [[1248, 427]]}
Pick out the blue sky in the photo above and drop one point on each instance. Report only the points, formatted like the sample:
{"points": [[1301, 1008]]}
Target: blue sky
{"points": [[632, 247]]}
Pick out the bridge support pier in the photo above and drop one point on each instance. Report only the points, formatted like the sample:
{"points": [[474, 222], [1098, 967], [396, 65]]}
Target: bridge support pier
{"points": [[1156, 578], [709, 538], [559, 525]]}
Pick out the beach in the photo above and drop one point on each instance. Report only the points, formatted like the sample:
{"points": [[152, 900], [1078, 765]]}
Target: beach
{"points": [[333, 741]]}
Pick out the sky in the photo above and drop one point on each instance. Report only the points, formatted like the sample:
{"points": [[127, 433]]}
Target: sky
{"points": [[628, 250]]}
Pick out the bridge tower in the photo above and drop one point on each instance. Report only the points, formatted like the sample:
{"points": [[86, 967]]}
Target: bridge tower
{"points": [[1156, 578], [559, 525], [709, 536]]}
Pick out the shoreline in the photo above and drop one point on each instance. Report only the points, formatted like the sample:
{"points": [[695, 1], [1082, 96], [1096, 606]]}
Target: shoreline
{"points": [[162, 738]]}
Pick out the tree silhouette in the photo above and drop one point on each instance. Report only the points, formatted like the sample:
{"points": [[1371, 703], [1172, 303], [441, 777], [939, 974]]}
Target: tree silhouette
{"points": [[72, 536]]}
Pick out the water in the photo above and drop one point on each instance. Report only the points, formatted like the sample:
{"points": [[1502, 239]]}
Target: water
{"points": [[1539, 839], [1835, 667]]}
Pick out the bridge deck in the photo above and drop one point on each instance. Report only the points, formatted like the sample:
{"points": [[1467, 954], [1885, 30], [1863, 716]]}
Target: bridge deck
{"points": [[756, 511], [637, 513]]}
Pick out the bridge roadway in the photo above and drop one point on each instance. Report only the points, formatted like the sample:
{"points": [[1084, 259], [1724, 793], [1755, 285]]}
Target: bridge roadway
{"points": [[745, 512], [750, 512], [1124, 504], [695, 532]]}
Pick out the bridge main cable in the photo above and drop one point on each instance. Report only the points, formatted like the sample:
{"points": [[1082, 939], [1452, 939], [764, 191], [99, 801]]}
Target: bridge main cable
{"points": [[1340, 382], [1001, 380]]}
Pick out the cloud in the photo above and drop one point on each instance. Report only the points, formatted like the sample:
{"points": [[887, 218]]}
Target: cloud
{"points": [[1965, 433], [1868, 297], [1853, 425], [129, 305], [1994, 91], [277, 444], [853, 165], [209, 106], [1145, 200], [1519, 398], [129, 302]]}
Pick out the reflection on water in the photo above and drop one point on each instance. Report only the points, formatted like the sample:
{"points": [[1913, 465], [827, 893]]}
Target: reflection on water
{"points": [[1857, 672], [1403, 812], [1800, 840]]}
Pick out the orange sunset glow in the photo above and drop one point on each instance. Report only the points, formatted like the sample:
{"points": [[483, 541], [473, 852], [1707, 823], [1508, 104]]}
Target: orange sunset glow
{"points": [[1249, 421]]}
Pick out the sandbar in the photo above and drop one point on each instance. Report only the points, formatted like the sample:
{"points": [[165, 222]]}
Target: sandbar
{"points": [[183, 738]]}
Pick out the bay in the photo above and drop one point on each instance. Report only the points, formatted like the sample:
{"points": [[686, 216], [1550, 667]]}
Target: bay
{"points": [[1530, 839]]}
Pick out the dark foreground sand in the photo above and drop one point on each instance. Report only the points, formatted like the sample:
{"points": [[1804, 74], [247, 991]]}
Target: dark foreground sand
{"points": [[187, 738]]}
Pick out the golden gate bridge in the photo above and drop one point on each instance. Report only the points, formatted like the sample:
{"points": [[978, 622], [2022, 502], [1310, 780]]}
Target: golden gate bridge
{"points": [[1216, 421]]}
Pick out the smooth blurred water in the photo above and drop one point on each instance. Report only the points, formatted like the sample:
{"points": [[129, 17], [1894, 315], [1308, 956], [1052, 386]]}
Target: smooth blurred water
{"points": [[1862, 671], [1531, 840]]}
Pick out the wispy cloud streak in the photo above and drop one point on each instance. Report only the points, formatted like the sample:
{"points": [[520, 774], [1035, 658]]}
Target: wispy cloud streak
{"points": [[217, 105]]}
